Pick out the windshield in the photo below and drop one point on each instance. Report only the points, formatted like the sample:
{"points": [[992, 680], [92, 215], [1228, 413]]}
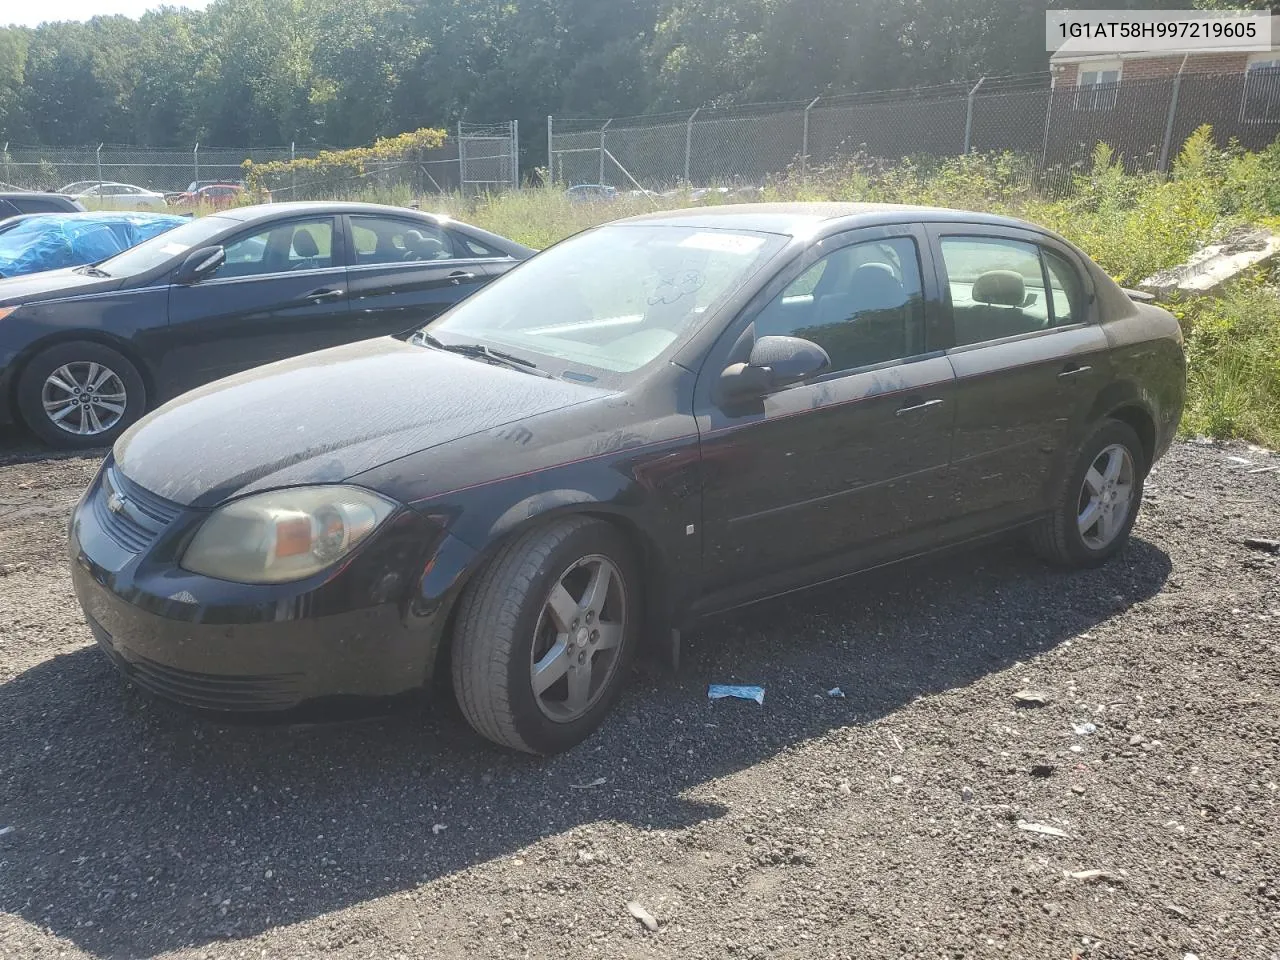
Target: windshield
{"points": [[613, 299], [152, 253]]}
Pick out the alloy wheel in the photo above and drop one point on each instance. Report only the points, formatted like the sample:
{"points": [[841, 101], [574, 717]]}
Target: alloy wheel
{"points": [[578, 638], [1106, 497]]}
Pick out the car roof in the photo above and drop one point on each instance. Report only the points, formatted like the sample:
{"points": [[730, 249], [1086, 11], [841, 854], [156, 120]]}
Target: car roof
{"points": [[791, 219], [304, 207], [109, 215], [27, 194]]}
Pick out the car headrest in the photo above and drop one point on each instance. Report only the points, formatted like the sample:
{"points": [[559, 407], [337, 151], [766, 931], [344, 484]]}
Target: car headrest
{"points": [[304, 245], [874, 287], [1004, 288], [420, 243]]}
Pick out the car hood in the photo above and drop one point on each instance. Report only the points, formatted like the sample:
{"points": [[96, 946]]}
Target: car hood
{"points": [[324, 417], [51, 285]]}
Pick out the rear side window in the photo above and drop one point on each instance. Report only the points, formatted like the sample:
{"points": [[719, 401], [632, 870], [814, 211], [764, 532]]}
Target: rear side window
{"points": [[862, 303], [1066, 290], [474, 248], [996, 288], [387, 240]]}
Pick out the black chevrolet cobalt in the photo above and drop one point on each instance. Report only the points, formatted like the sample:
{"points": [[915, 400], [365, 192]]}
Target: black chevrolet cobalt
{"points": [[658, 418]]}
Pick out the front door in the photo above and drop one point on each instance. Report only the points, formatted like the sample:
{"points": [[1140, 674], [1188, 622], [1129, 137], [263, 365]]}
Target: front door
{"points": [[282, 291], [1029, 360], [405, 273], [855, 460]]}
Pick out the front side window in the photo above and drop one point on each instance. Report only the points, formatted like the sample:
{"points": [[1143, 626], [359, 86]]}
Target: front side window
{"points": [[1261, 103], [997, 288], [862, 303], [1097, 86], [387, 240], [283, 248], [613, 299]]}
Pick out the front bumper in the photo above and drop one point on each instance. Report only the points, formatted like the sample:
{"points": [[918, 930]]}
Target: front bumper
{"points": [[350, 638]]}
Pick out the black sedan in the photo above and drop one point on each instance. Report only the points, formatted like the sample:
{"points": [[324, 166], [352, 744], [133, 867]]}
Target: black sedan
{"points": [[656, 419], [84, 352]]}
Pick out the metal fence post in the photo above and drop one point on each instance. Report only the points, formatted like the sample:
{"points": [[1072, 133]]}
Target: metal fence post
{"points": [[602, 149], [1168, 125], [968, 115], [98, 156], [195, 162], [551, 150], [1048, 116], [688, 144], [804, 141], [293, 173], [515, 154], [462, 164]]}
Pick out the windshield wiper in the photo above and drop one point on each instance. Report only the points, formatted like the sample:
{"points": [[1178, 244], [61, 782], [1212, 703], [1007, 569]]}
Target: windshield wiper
{"points": [[479, 351], [89, 270]]}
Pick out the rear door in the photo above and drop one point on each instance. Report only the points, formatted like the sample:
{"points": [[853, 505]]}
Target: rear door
{"points": [[405, 272], [281, 292], [1029, 359], [853, 461]]}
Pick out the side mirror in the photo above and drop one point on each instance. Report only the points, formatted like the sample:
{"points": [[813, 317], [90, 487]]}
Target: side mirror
{"points": [[774, 362], [199, 264]]}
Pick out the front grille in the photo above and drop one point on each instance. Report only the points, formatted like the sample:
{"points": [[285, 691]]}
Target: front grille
{"points": [[203, 691], [129, 515], [217, 691]]}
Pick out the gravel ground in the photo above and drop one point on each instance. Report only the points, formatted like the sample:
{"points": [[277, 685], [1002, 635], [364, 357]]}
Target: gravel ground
{"points": [[890, 822]]}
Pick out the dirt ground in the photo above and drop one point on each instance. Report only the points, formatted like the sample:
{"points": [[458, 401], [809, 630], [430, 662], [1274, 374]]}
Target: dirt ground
{"points": [[890, 822]]}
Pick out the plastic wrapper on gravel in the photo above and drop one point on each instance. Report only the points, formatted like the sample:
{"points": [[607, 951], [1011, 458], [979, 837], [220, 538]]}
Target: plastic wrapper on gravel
{"points": [[56, 241]]}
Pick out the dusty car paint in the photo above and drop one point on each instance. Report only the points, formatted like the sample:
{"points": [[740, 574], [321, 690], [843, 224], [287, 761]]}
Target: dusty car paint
{"points": [[725, 503]]}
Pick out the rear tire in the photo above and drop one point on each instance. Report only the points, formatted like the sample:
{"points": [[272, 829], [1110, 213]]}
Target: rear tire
{"points": [[80, 395], [1098, 503], [545, 633]]}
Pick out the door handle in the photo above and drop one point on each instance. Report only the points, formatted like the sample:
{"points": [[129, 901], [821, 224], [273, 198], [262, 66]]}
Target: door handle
{"points": [[324, 293], [1073, 370], [918, 406], [459, 275]]}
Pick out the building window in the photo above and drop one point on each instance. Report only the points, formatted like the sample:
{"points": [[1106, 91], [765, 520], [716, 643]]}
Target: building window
{"points": [[1261, 102], [1097, 85]]}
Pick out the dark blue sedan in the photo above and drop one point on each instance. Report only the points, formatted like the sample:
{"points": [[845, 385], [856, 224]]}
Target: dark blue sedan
{"points": [[87, 350]]}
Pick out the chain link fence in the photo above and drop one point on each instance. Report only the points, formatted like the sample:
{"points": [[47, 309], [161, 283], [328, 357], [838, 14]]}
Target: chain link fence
{"points": [[1048, 132], [477, 158]]}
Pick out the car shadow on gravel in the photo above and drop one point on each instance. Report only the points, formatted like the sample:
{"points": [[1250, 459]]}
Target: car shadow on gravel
{"points": [[138, 830]]}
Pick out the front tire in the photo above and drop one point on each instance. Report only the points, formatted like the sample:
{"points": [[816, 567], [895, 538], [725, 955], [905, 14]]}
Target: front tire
{"points": [[544, 635], [1098, 504], [80, 395]]}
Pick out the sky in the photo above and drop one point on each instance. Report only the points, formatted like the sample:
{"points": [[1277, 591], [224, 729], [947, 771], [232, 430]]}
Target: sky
{"points": [[31, 14]]}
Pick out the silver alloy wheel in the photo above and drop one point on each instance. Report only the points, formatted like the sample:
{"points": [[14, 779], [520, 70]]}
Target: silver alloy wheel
{"points": [[84, 398], [1106, 497], [578, 638]]}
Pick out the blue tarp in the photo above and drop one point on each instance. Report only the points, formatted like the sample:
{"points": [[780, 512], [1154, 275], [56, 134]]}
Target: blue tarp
{"points": [[51, 241]]}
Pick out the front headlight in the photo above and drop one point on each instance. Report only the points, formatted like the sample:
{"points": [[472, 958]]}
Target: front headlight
{"points": [[284, 535]]}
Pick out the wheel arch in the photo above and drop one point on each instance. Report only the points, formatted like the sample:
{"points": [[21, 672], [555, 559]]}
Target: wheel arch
{"points": [[550, 507], [1126, 402], [100, 337]]}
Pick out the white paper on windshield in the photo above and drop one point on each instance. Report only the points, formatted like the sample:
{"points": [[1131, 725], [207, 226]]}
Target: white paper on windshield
{"points": [[720, 242], [171, 248]]}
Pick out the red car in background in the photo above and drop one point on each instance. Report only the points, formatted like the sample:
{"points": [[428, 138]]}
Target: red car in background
{"points": [[219, 194]]}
